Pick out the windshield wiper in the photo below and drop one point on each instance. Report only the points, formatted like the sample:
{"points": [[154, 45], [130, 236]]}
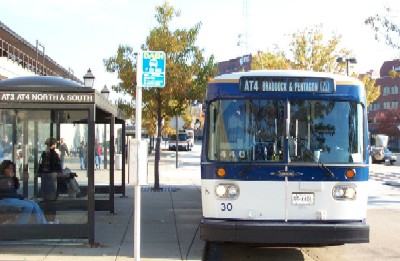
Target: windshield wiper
{"points": [[310, 153]]}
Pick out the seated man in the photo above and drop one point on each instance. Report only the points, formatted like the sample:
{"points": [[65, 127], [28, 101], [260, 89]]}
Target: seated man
{"points": [[10, 199]]}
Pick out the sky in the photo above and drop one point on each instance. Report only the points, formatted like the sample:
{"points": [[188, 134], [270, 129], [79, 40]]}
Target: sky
{"points": [[80, 34]]}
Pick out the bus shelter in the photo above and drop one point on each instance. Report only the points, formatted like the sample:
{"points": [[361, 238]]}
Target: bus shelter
{"points": [[35, 109]]}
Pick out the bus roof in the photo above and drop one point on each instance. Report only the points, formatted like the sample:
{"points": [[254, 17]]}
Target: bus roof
{"points": [[338, 78]]}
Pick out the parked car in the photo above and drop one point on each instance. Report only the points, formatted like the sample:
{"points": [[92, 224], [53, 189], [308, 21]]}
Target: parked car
{"points": [[389, 156], [381, 154]]}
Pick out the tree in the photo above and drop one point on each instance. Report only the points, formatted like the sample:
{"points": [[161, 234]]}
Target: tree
{"points": [[388, 122], [372, 91], [386, 27], [270, 60], [187, 74], [311, 51]]}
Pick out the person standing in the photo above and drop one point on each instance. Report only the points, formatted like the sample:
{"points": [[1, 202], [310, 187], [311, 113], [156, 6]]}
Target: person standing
{"points": [[98, 152], [49, 168], [6, 147], [63, 151], [82, 155]]}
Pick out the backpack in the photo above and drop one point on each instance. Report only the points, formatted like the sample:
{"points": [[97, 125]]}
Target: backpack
{"points": [[44, 164]]}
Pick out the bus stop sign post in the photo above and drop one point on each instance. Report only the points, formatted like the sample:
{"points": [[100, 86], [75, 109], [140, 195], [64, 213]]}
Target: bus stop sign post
{"points": [[150, 72]]}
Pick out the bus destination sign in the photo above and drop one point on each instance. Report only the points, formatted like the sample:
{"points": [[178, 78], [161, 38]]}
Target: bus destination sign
{"points": [[287, 84]]}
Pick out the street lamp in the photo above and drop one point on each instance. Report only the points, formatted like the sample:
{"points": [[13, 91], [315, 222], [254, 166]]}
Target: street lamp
{"points": [[347, 61], [88, 79], [105, 92]]}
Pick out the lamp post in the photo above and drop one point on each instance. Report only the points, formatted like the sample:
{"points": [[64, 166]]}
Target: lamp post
{"points": [[88, 79], [105, 92], [347, 61]]}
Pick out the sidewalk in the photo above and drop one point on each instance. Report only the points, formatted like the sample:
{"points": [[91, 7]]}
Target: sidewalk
{"points": [[169, 224]]}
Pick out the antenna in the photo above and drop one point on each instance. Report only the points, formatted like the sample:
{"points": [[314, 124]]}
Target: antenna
{"points": [[242, 37]]}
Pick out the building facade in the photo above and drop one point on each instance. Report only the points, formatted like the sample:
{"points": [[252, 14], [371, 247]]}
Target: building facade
{"points": [[18, 57], [387, 102], [238, 64]]}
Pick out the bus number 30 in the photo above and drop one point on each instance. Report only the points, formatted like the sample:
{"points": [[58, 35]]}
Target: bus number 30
{"points": [[226, 206]]}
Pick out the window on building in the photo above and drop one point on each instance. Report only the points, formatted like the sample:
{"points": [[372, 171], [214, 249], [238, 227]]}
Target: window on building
{"points": [[375, 106], [395, 105], [386, 91], [395, 89], [386, 105]]}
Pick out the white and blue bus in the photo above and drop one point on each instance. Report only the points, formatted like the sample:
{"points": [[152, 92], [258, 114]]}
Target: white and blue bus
{"points": [[285, 159]]}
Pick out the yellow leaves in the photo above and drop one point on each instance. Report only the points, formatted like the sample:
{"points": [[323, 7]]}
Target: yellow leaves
{"points": [[393, 74], [372, 91]]}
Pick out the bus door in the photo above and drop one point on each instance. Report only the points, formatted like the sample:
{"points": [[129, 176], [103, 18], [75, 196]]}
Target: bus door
{"points": [[300, 141]]}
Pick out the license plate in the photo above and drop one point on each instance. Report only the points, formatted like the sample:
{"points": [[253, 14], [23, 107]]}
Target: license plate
{"points": [[302, 198]]}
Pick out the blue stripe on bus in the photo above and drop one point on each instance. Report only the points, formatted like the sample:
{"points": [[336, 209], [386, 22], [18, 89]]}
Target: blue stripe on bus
{"points": [[269, 173]]}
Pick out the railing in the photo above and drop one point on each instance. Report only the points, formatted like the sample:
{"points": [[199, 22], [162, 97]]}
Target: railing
{"points": [[27, 62]]}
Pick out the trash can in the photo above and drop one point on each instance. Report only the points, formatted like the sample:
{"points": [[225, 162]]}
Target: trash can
{"points": [[49, 186], [118, 161]]}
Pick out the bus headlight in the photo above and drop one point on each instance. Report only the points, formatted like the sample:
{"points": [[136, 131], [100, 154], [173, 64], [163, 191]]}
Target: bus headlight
{"points": [[227, 190], [344, 192]]}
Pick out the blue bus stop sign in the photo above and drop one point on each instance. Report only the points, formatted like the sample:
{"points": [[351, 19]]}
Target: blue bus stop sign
{"points": [[151, 69]]}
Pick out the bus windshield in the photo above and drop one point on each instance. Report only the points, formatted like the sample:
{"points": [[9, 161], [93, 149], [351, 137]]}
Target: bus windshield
{"points": [[255, 131]]}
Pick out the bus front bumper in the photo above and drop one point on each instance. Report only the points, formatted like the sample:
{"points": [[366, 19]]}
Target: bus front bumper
{"points": [[283, 233]]}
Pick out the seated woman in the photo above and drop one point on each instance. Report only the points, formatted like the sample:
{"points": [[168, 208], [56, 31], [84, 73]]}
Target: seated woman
{"points": [[9, 198]]}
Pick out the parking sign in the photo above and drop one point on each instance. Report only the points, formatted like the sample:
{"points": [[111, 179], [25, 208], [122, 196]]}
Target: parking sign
{"points": [[151, 69]]}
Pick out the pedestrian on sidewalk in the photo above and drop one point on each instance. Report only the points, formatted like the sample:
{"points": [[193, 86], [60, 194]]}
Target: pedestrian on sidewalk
{"points": [[82, 155], [98, 152], [63, 151], [6, 147]]}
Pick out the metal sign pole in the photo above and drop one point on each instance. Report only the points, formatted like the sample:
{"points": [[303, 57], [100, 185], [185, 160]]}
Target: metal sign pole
{"points": [[138, 136], [150, 72]]}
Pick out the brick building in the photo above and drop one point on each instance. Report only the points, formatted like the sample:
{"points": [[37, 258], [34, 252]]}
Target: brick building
{"points": [[388, 100], [242, 63]]}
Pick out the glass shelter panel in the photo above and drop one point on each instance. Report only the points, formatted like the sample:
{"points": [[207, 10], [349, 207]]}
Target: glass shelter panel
{"points": [[26, 138]]}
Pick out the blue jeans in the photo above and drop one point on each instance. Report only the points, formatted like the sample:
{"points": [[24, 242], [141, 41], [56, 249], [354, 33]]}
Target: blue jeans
{"points": [[29, 208], [83, 162], [98, 161], [62, 161]]}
